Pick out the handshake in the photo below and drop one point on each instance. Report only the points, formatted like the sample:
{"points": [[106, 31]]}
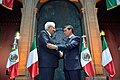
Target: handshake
{"points": [[52, 46]]}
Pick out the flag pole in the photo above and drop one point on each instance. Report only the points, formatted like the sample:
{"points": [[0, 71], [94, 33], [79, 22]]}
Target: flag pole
{"points": [[102, 33], [84, 41], [107, 60]]}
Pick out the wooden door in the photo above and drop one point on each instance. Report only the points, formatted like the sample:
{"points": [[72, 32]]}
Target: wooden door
{"points": [[62, 13]]}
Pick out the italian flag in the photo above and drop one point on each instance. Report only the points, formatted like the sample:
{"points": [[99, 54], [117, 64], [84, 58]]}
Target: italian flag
{"points": [[12, 63], [86, 60], [32, 63], [112, 4], [107, 61]]}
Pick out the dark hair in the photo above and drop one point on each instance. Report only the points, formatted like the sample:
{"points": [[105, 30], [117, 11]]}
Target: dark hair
{"points": [[69, 27]]}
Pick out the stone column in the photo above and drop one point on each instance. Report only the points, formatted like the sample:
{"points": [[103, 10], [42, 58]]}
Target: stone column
{"points": [[27, 29], [93, 32]]}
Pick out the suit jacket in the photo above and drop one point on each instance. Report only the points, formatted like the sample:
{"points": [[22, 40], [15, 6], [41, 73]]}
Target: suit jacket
{"points": [[46, 57], [71, 53]]}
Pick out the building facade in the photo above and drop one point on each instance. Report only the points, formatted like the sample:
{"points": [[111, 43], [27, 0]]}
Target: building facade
{"points": [[87, 16]]}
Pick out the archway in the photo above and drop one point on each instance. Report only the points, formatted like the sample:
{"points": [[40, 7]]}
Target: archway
{"points": [[62, 13]]}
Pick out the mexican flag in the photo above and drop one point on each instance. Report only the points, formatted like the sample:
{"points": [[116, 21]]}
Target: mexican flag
{"points": [[7, 3], [112, 4], [86, 60], [107, 61], [32, 62], [12, 63]]}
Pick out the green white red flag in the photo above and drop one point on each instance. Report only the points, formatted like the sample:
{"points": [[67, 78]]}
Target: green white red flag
{"points": [[32, 63], [12, 63], [107, 61], [86, 59]]}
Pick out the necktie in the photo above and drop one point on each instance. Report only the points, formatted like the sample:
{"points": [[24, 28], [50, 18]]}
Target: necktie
{"points": [[67, 40]]}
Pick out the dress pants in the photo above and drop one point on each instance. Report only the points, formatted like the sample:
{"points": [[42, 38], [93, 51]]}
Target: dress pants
{"points": [[72, 74], [46, 73]]}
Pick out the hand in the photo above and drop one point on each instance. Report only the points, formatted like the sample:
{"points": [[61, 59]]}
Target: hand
{"points": [[61, 54], [52, 46]]}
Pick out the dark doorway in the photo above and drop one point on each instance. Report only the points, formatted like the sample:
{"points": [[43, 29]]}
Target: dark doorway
{"points": [[62, 13]]}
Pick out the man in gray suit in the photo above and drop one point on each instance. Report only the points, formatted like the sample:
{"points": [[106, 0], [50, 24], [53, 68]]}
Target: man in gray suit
{"points": [[47, 58], [72, 65]]}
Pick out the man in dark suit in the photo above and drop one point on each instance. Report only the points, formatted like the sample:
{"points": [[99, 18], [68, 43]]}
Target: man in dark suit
{"points": [[47, 58], [72, 63]]}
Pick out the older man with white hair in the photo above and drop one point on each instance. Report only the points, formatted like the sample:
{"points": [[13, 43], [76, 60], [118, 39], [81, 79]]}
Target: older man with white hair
{"points": [[48, 59], [50, 28]]}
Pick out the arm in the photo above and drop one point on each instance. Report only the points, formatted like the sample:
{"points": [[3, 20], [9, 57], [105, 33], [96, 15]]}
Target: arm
{"points": [[44, 39], [74, 42]]}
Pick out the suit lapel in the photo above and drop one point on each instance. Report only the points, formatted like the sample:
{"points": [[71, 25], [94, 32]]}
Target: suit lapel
{"points": [[50, 39], [71, 38], [47, 34]]}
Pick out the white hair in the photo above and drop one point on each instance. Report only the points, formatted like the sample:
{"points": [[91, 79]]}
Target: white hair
{"points": [[48, 24]]}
